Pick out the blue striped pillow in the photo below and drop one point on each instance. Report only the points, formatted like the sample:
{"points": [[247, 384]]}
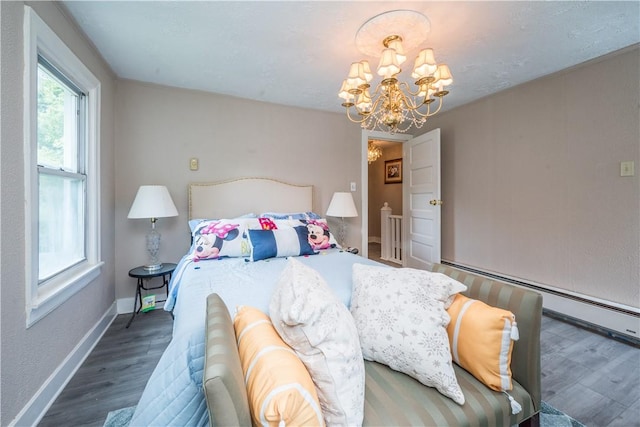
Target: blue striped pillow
{"points": [[291, 215], [283, 242]]}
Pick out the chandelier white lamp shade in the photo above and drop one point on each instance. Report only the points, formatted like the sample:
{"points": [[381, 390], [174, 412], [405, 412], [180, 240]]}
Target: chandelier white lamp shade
{"points": [[152, 202], [373, 152], [393, 106], [342, 206]]}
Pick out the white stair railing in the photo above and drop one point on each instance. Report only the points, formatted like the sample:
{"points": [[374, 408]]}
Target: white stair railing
{"points": [[391, 235]]}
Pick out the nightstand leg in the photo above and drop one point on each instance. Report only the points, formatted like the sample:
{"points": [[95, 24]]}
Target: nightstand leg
{"points": [[137, 298]]}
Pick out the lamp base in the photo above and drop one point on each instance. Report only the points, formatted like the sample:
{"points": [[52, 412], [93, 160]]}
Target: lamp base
{"points": [[342, 231], [153, 247]]}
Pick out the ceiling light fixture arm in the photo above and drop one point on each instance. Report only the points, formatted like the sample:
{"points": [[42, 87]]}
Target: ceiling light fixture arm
{"points": [[393, 104]]}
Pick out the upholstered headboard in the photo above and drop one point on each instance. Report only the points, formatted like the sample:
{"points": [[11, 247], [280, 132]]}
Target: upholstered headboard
{"points": [[228, 199]]}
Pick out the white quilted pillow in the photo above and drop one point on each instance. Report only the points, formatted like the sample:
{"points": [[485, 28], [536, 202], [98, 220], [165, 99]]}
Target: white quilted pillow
{"points": [[401, 319], [318, 326]]}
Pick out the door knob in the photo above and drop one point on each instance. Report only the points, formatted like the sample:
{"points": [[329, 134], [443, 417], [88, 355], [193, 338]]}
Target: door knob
{"points": [[435, 202]]}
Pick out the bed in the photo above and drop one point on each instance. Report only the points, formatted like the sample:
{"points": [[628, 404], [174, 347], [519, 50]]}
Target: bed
{"points": [[174, 394], [222, 274]]}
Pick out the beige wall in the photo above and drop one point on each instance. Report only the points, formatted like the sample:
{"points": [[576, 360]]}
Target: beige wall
{"points": [[160, 128], [531, 181], [29, 356], [379, 192]]}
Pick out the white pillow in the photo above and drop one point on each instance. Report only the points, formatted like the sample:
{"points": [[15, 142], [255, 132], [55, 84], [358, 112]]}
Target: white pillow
{"points": [[318, 326], [401, 319]]}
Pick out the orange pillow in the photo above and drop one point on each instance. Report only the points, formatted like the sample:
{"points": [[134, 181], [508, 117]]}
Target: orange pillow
{"points": [[279, 386], [481, 339]]}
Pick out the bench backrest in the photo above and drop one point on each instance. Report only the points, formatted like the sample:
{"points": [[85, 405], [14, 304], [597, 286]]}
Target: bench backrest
{"points": [[526, 305]]}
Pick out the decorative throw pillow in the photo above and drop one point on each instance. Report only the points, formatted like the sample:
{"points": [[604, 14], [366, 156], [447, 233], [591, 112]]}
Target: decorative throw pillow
{"points": [[290, 215], [320, 236], [219, 238], [318, 326], [267, 224], [318, 233], [481, 339], [279, 386], [282, 242], [401, 320], [193, 223]]}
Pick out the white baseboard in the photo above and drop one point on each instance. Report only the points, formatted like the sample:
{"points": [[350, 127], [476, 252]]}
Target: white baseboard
{"points": [[125, 305], [40, 403], [613, 318], [596, 315]]}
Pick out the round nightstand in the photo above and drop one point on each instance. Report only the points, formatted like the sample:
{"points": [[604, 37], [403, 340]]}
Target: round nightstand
{"points": [[143, 274]]}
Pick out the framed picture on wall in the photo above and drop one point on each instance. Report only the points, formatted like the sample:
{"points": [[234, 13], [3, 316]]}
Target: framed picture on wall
{"points": [[393, 171]]}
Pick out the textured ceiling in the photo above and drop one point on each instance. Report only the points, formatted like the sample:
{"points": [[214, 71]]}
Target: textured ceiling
{"points": [[298, 52]]}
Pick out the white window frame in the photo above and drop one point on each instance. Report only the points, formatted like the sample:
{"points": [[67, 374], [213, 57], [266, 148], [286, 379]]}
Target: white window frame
{"points": [[44, 298]]}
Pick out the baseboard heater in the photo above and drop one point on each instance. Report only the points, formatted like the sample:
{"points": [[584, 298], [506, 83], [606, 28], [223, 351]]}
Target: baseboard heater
{"points": [[616, 322]]}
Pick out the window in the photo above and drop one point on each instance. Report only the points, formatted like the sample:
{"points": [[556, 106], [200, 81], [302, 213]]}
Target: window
{"points": [[61, 171], [61, 177]]}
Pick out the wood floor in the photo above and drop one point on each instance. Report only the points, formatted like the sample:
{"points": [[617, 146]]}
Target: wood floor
{"points": [[592, 378], [115, 373], [374, 254]]}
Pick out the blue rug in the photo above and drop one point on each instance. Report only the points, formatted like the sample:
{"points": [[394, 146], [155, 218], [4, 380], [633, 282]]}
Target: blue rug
{"points": [[119, 417], [549, 417]]}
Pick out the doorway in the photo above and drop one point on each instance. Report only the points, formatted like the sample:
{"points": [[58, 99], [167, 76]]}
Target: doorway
{"points": [[383, 191], [421, 202], [371, 210]]}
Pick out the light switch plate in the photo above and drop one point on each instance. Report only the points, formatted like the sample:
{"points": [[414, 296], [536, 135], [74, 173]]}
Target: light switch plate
{"points": [[353, 186], [193, 163], [627, 168]]}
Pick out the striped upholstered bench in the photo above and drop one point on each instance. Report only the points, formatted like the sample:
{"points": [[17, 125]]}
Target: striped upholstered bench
{"points": [[393, 398]]}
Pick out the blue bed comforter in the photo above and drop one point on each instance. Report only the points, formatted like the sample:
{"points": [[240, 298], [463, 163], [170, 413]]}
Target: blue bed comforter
{"points": [[174, 395]]}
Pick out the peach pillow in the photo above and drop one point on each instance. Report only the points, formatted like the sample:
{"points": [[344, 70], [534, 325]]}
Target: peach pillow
{"points": [[280, 389], [481, 339]]}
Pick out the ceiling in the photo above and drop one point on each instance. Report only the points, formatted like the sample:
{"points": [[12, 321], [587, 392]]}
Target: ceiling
{"points": [[298, 52]]}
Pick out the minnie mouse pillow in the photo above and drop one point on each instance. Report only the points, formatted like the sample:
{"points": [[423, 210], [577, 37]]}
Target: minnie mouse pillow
{"points": [[218, 238]]}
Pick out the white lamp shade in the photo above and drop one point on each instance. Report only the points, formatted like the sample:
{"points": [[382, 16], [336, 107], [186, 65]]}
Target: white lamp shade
{"points": [[367, 71], [356, 75], [344, 91], [443, 75], [342, 205], [397, 46], [152, 201], [389, 65], [364, 103], [425, 64]]}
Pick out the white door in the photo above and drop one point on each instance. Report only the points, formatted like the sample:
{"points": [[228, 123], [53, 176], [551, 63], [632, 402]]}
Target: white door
{"points": [[421, 201]]}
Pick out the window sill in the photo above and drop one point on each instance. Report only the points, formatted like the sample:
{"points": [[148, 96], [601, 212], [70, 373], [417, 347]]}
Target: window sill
{"points": [[54, 295]]}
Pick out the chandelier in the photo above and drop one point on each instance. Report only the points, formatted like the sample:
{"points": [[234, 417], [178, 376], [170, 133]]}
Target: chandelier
{"points": [[373, 152], [393, 106]]}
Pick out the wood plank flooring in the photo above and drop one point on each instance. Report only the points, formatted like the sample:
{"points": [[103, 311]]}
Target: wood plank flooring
{"points": [[593, 378], [115, 373], [590, 377]]}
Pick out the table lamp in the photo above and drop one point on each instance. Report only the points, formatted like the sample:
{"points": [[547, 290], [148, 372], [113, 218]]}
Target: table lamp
{"points": [[342, 206], [153, 201]]}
